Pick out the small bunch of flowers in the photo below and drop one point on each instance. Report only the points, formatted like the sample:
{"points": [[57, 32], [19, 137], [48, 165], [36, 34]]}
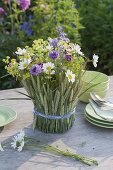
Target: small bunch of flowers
{"points": [[49, 58], [21, 140]]}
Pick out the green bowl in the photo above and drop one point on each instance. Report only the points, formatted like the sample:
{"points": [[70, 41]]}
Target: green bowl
{"points": [[95, 88], [95, 80], [86, 96]]}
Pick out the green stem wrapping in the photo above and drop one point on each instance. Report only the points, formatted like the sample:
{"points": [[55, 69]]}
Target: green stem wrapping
{"points": [[52, 99]]}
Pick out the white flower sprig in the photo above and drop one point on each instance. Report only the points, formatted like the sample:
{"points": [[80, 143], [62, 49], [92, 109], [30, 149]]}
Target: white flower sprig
{"points": [[95, 60], [21, 51], [77, 49], [18, 141], [1, 148], [23, 64]]}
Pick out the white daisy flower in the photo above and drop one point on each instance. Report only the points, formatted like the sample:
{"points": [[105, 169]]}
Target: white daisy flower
{"points": [[23, 64], [70, 76], [18, 141], [77, 49], [47, 68], [95, 60], [21, 51], [1, 148]]}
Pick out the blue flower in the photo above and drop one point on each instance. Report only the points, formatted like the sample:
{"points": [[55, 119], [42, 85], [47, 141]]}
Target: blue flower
{"points": [[59, 29], [54, 42], [36, 69], [53, 54], [62, 34], [25, 26]]}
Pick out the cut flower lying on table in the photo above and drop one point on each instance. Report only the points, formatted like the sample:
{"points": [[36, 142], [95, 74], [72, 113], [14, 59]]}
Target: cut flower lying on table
{"points": [[21, 142]]}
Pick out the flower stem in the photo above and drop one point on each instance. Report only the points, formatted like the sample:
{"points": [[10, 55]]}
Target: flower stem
{"points": [[83, 159], [67, 153], [12, 22]]}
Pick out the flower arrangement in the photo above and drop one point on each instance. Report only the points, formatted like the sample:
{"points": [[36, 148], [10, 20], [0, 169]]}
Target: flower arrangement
{"points": [[51, 72]]}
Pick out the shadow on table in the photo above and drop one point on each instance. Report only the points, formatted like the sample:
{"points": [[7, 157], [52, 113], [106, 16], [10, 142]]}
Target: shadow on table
{"points": [[35, 158], [1, 129]]}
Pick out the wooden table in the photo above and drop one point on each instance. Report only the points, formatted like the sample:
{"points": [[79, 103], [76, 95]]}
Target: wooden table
{"points": [[83, 138]]}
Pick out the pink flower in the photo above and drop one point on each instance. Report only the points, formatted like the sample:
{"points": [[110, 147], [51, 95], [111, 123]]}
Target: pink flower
{"points": [[24, 4], [1, 11], [6, 1]]}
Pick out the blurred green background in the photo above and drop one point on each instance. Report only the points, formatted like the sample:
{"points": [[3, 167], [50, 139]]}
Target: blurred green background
{"points": [[88, 23]]}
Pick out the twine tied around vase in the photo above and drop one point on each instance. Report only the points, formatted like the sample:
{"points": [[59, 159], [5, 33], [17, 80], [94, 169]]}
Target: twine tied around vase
{"points": [[53, 117]]}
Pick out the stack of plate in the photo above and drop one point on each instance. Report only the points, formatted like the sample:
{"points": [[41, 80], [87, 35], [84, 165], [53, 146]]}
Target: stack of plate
{"points": [[94, 119], [94, 82]]}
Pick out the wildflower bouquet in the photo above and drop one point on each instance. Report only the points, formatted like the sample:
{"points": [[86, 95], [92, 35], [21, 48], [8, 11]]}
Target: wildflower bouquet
{"points": [[51, 73]]}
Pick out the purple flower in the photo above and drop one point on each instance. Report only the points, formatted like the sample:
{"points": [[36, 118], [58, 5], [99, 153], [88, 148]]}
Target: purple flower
{"points": [[24, 4], [62, 34], [65, 39], [26, 26], [1, 11], [54, 42], [68, 57], [36, 69], [53, 54], [59, 29]]}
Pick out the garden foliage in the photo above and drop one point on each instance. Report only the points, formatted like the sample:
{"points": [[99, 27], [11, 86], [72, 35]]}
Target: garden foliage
{"points": [[48, 14], [97, 37], [20, 25]]}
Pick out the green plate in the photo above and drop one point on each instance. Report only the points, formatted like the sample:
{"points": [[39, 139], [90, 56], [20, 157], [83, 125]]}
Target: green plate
{"points": [[98, 124], [7, 115], [98, 121], [92, 113]]}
